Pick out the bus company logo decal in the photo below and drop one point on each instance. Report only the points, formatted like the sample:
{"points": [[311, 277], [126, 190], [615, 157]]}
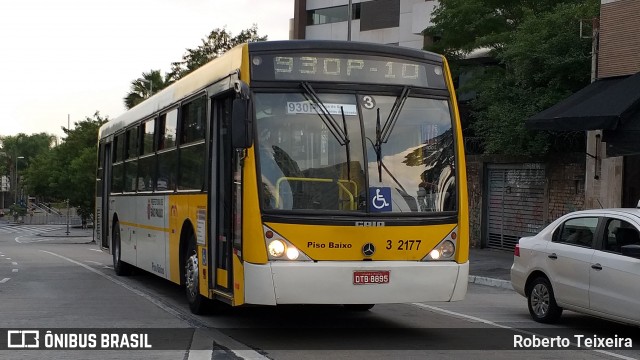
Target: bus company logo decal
{"points": [[368, 249], [155, 208], [370, 223]]}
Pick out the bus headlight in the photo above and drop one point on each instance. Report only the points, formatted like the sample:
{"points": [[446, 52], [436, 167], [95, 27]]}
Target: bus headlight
{"points": [[446, 249], [292, 253], [281, 249], [276, 248]]}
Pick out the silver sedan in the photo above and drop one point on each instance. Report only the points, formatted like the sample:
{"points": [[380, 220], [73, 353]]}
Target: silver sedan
{"points": [[586, 261]]}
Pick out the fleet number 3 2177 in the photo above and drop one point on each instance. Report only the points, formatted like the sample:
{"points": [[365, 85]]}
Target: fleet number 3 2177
{"points": [[404, 244]]}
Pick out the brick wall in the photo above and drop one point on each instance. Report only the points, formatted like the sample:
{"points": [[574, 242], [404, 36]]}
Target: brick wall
{"points": [[475, 186], [565, 185]]}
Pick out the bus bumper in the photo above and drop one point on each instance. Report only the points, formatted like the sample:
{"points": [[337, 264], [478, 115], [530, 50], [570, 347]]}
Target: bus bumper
{"points": [[332, 282]]}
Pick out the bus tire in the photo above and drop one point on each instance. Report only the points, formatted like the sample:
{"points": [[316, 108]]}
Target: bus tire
{"points": [[121, 268], [196, 301], [359, 307]]}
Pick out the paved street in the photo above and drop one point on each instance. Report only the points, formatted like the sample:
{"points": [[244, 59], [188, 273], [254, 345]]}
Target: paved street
{"points": [[50, 280]]}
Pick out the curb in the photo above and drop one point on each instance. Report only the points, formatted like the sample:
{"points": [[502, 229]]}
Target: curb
{"points": [[486, 281], [63, 236]]}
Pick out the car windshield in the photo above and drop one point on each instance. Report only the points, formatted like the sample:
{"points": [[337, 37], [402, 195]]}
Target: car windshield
{"points": [[326, 152]]}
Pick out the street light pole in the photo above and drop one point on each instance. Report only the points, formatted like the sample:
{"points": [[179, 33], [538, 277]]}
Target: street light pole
{"points": [[15, 197]]}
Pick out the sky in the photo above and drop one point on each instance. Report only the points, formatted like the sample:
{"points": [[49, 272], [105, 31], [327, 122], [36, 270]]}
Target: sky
{"points": [[67, 59]]}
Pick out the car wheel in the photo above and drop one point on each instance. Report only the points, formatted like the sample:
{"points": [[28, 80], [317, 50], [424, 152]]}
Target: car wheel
{"points": [[196, 301], [358, 307], [121, 268], [542, 303]]}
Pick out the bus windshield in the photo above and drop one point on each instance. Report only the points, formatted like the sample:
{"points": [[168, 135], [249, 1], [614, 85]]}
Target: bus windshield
{"points": [[351, 153]]}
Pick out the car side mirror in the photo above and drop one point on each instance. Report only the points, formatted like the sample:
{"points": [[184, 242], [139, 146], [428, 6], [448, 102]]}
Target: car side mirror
{"points": [[631, 251]]}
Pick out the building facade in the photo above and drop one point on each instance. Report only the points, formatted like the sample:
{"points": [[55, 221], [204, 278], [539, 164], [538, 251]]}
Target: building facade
{"points": [[611, 181], [393, 22]]}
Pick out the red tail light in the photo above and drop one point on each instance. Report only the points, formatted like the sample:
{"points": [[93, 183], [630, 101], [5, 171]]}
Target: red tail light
{"points": [[516, 251]]}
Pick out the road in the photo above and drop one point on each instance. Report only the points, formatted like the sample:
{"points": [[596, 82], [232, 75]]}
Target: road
{"points": [[68, 285]]}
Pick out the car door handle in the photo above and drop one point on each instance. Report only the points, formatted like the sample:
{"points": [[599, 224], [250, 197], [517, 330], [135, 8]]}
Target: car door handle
{"points": [[596, 267], [553, 256]]}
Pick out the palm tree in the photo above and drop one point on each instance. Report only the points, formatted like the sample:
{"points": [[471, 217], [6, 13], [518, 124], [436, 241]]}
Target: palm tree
{"points": [[143, 87]]}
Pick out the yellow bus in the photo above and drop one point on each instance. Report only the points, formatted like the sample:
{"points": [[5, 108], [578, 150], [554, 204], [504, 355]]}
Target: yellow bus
{"points": [[293, 172]]}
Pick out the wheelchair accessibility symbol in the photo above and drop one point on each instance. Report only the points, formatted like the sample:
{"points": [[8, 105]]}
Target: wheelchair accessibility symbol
{"points": [[380, 199]]}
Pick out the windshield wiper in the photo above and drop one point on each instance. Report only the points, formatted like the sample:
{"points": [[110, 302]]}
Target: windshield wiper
{"points": [[324, 114], [377, 147], [347, 141], [394, 114], [383, 133]]}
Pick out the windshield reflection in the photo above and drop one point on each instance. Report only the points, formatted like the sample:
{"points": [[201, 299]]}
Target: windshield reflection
{"points": [[303, 165]]}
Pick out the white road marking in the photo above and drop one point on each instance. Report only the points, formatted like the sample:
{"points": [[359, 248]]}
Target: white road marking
{"points": [[98, 250], [14, 263], [93, 262], [489, 322], [4, 280], [245, 354], [8, 258], [199, 355], [14, 270]]}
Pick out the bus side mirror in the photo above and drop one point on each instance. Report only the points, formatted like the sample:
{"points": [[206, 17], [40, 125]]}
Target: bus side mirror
{"points": [[241, 124]]}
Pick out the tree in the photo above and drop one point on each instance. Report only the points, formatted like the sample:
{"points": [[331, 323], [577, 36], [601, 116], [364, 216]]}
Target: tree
{"points": [[217, 43], [68, 171], [539, 60], [22, 145], [145, 86]]}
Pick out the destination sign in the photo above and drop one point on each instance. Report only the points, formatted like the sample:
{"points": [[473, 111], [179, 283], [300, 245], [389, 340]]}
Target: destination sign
{"points": [[352, 68]]}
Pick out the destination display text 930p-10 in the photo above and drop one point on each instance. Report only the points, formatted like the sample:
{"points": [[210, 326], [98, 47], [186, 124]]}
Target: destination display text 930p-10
{"points": [[347, 68]]}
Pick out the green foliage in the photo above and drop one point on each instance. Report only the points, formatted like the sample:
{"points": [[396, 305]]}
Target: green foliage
{"points": [[27, 146], [68, 170], [215, 44], [145, 86], [539, 59], [18, 210]]}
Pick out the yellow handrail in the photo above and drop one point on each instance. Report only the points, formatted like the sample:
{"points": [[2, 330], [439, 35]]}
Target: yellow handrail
{"points": [[339, 183]]}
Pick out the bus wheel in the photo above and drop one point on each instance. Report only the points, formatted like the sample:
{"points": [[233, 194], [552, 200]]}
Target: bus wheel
{"points": [[359, 307], [121, 268], [192, 284]]}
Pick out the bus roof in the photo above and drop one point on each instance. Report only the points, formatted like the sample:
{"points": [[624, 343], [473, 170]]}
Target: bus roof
{"points": [[231, 62], [193, 83], [343, 46]]}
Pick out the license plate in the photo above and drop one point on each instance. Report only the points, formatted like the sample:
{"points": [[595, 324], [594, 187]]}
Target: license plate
{"points": [[370, 277]]}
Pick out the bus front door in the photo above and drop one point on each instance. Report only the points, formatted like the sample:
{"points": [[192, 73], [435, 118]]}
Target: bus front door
{"points": [[221, 198]]}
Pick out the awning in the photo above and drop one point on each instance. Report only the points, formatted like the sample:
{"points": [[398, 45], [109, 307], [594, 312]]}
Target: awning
{"points": [[603, 104]]}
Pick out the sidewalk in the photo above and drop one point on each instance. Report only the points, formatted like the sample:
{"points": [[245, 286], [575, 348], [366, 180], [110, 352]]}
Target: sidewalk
{"points": [[490, 267], [77, 234]]}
